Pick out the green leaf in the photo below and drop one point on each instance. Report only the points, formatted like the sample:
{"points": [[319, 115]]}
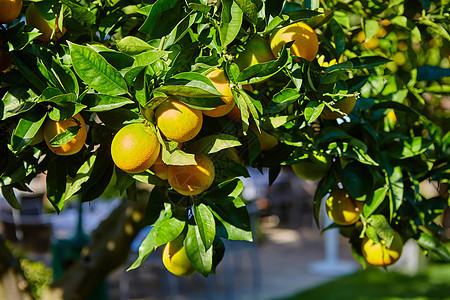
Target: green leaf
{"points": [[65, 77], [56, 183], [148, 244], [17, 100], [96, 71], [10, 197], [200, 257], [282, 100], [313, 110], [250, 10], [83, 174], [205, 223], [370, 28], [437, 247], [382, 227], [367, 62], [64, 137], [177, 157], [26, 129], [372, 203], [261, 72], [214, 143], [231, 21], [132, 45], [226, 191], [162, 14], [356, 179], [168, 230], [190, 84], [65, 109], [103, 102], [234, 221], [180, 30], [394, 178], [322, 189]]}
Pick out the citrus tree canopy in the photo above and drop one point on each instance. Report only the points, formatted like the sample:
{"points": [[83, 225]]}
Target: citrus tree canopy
{"points": [[125, 84]]}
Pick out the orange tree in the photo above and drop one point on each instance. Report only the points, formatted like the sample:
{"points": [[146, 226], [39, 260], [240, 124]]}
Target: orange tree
{"points": [[116, 62]]}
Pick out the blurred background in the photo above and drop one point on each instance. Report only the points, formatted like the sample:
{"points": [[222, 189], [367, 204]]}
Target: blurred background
{"points": [[290, 257]]}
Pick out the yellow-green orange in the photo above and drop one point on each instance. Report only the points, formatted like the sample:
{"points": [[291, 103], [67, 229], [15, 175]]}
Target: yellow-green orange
{"points": [[265, 139], [221, 83], [177, 121], [175, 259], [306, 43], [314, 166], [345, 105], [378, 254], [256, 51], [135, 148], [34, 19], [53, 128], [190, 180], [342, 209], [9, 10]]}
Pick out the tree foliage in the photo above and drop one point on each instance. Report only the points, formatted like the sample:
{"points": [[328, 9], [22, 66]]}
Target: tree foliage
{"points": [[118, 60]]}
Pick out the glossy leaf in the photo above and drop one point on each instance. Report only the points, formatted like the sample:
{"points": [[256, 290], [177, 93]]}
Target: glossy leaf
{"points": [[96, 71], [205, 223]]}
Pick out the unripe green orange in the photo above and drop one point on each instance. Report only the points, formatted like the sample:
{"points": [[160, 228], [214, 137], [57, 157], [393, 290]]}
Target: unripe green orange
{"points": [[313, 167], [256, 51], [306, 43]]}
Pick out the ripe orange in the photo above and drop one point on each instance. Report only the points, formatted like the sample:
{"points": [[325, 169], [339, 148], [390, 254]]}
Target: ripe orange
{"points": [[160, 168], [135, 148], [52, 128], [342, 209], [9, 10], [345, 105], [175, 259], [314, 167], [256, 51], [190, 180], [34, 19], [177, 121], [378, 254], [306, 43], [221, 83]]}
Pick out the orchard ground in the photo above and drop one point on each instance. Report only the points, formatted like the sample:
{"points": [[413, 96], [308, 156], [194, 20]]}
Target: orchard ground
{"points": [[277, 265]]}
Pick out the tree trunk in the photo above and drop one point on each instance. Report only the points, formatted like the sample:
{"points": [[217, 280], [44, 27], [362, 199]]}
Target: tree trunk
{"points": [[13, 284], [108, 249]]}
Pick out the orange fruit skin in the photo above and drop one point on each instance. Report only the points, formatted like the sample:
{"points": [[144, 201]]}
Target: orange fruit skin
{"points": [[256, 51], [34, 19], [306, 43], [177, 121], [391, 116], [160, 168], [9, 10], [378, 254], [52, 128], [314, 168], [345, 105], [191, 180], [266, 140], [342, 209], [175, 259], [135, 148], [221, 83]]}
